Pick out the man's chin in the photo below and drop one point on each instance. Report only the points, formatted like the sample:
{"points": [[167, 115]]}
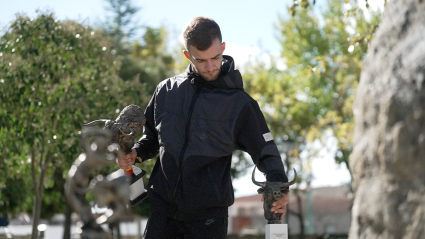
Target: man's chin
{"points": [[210, 78]]}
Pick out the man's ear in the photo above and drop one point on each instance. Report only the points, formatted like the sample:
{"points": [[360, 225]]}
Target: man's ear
{"points": [[186, 54], [223, 47]]}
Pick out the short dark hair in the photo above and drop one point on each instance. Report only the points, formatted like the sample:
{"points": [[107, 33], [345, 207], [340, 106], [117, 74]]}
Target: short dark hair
{"points": [[200, 33]]}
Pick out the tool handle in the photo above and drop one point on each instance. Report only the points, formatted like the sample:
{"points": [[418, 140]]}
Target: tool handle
{"points": [[129, 171]]}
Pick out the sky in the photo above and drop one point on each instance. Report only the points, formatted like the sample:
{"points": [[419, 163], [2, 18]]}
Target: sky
{"points": [[247, 27]]}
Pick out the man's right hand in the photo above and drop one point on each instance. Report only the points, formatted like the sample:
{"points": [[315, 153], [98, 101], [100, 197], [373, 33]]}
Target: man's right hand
{"points": [[128, 160]]}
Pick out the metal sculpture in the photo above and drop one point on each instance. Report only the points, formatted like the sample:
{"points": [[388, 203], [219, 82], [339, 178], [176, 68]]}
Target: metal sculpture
{"points": [[111, 191], [124, 130], [272, 192]]}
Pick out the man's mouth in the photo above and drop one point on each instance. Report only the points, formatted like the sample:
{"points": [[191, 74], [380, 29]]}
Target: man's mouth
{"points": [[211, 72]]}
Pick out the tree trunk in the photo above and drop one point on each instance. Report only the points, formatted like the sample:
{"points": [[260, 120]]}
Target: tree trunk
{"points": [[388, 160], [300, 214], [36, 211], [67, 223], [115, 230], [38, 185], [118, 230]]}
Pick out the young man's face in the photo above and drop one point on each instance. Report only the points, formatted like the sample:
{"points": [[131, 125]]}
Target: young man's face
{"points": [[207, 63]]}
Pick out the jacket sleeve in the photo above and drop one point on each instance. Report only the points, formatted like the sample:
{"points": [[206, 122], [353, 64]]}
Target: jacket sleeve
{"points": [[253, 136], [147, 147]]}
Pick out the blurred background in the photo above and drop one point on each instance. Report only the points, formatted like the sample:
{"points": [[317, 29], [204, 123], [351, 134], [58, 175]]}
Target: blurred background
{"points": [[66, 63]]}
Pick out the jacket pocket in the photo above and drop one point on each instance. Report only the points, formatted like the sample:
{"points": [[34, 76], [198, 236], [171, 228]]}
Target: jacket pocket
{"points": [[214, 185], [202, 190]]}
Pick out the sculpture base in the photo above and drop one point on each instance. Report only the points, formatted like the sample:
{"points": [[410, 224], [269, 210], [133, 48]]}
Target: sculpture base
{"points": [[137, 188], [276, 231]]}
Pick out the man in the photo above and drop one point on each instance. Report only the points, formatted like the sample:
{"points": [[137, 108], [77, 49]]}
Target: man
{"points": [[195, 121]]}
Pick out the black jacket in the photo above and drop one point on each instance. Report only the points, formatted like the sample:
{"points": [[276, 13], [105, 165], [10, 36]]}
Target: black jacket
{"points": [[195, 125]]}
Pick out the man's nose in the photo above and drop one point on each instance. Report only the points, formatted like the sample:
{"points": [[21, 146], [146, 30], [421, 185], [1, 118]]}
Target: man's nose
{"points": [[210, 66]]}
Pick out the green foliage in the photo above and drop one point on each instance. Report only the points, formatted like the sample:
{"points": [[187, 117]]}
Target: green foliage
{"points": [[307, 3], [13, 196], [315, 91], [144, 61], [149, 61], [53, 77]]}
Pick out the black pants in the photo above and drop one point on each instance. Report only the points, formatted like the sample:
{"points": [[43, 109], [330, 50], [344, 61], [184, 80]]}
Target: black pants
{"points": [[161, 227]]}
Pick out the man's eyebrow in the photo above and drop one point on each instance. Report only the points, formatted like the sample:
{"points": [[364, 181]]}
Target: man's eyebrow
{"points": [[217, 55], [200, 59]]}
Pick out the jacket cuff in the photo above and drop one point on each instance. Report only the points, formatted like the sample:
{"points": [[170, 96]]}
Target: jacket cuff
{"points": [[273, 168]]}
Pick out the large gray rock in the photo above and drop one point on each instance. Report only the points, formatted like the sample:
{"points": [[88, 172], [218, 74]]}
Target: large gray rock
{"points": [[388, 160]]}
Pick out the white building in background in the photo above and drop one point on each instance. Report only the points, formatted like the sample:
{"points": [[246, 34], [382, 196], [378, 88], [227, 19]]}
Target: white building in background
{"points": [[330, 214], [21, 226]]}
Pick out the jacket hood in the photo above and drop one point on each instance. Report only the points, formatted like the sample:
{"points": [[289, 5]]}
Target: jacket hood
{"points": [[229, 78]]}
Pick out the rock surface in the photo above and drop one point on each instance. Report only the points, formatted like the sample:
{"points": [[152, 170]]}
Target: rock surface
{"points": [[388, 159]]}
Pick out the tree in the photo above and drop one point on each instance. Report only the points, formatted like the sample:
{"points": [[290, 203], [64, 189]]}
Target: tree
{"points": [[313, 92], [53, 77], [122, 26], [389, 140], [145, 60], [149, 61]]}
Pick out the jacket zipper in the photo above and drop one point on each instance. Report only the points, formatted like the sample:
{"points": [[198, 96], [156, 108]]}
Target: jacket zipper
{"points": [[186, 140]]}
